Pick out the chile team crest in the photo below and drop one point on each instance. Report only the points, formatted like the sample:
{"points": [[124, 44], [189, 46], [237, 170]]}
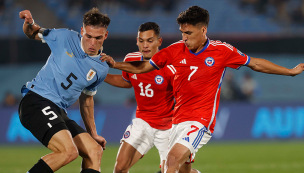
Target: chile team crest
{"points": [[127, 134], [159, 79], [209, 61]]}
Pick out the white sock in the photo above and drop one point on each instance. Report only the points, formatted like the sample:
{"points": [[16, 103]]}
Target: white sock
{"points": [[197, 171]]}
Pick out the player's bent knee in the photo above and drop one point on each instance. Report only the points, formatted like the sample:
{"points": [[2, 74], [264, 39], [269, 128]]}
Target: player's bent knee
{"points": [[70, 154], [95, 153], [121, 168], [172, 161]]}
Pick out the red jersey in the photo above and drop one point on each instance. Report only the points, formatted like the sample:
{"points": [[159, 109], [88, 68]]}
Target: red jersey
{"points": [[153, 93], [198, 78]]}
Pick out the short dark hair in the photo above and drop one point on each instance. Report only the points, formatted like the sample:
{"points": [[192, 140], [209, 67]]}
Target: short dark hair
{"points": [[194, 15], [150, 26], [94, 18]]}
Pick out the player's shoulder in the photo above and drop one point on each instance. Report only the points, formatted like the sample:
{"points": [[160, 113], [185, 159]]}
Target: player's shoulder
{"points": [[61, 32], [178, 44], [217, 44], [134, 56]]}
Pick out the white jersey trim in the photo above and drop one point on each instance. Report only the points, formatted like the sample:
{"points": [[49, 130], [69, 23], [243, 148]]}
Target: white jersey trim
{"points": [[88, 92], [215, 100], [41, 36], [133, 55], [171, 67]]}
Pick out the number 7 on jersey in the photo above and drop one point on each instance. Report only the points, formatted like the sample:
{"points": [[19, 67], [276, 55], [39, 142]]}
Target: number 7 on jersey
{"points": [[194, 68]]}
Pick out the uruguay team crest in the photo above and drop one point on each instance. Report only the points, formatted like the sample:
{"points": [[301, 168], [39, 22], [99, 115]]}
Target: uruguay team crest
{"points": [[91, 74], [159, 79], [127, 134], [209, 61]]}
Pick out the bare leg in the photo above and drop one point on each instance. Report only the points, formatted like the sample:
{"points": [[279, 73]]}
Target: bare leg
{"points": [[64, 150], [89, 150], [177, 156], [127, 156], [186, 168]]}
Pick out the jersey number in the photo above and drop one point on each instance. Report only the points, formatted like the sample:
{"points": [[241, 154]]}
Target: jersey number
{"points": [[148, 91], [49, 113], [194, 68], [195, 129], [69, 80]]}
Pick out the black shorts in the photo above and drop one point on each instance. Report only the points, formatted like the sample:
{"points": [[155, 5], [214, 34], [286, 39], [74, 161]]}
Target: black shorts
{"points": [[43, 118]]}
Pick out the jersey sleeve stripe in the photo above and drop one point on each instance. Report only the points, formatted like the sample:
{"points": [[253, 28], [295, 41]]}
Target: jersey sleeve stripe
{"points": [[125, 79], [169, 67], [248, 60], [173, 68], [153, 64], [88, 92]]}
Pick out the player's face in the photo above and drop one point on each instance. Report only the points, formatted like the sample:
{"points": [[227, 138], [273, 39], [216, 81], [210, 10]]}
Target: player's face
{"points": [[194, 36], [148, 43], [93, 38]]}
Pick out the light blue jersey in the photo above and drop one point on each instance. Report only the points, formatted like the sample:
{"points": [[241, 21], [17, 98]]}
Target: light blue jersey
{"points": [[68, 70]]}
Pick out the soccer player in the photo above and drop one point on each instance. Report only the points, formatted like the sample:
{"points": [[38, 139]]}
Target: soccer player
{"points": [[154, 96], [200, 65], [72, 71]]}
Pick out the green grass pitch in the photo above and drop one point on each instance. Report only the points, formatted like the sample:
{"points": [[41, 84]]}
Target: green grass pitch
{"points": [[249, 157]]}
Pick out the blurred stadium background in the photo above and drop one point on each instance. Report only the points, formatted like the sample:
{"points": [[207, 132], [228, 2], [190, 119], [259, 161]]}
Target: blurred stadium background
{"points": [[260, 125]]}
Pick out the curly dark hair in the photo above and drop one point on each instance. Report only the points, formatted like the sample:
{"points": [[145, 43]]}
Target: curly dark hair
{"points": [[194, 15], [94, 18], [150, 26]]}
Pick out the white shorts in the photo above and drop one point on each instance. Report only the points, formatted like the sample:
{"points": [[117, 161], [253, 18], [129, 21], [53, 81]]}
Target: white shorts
{"points": [[191, 134], [143, 137]]}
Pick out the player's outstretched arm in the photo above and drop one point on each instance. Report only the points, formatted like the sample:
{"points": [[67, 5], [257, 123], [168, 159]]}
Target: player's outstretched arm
{"points": [[265, 66], [135, 67], [30, 28], [86, 105], [117, 81]]}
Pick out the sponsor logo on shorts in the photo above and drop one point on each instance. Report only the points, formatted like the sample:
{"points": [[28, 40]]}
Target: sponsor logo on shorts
{"points": [[209, 61], [127, 134], [159, 79]]}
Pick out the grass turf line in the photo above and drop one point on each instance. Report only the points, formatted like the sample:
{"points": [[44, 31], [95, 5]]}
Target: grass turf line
{"points": [[253, 157]]}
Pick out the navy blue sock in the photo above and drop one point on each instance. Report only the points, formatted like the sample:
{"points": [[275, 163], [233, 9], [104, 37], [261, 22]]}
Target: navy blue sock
{"points": [[40, 167], [89, 171]]}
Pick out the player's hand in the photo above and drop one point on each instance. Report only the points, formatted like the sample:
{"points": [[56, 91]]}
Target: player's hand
{"points": [[100, 140], [110, 61], [297, 70], [27, 16]]}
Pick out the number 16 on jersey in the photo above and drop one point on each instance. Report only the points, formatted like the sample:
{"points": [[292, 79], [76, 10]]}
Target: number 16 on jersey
{"points": [[147, 91]]}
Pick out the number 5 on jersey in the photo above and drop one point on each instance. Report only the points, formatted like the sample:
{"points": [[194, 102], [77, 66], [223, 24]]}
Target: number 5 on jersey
{"points": [[148, 91]]}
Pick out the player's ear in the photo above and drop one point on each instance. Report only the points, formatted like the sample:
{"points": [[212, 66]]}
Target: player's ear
{"points": [[137, 41], [160, 41], [106, 35], [204, 30]]}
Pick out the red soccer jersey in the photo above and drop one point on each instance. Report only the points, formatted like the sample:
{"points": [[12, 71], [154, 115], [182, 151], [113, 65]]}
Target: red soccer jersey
{"points": [[153, 93], [198, 78]]}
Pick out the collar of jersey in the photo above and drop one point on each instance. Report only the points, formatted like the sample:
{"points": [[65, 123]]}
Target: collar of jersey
{"points": [[205, 47], [95, 56]]}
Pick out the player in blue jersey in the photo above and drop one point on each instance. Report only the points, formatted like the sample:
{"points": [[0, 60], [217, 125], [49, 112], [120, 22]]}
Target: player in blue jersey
{"points": [[72, 71]]}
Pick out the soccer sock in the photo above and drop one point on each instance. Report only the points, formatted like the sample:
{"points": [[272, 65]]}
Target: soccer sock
{"points": [[40, 167], [197, 171], [89, 171]]}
